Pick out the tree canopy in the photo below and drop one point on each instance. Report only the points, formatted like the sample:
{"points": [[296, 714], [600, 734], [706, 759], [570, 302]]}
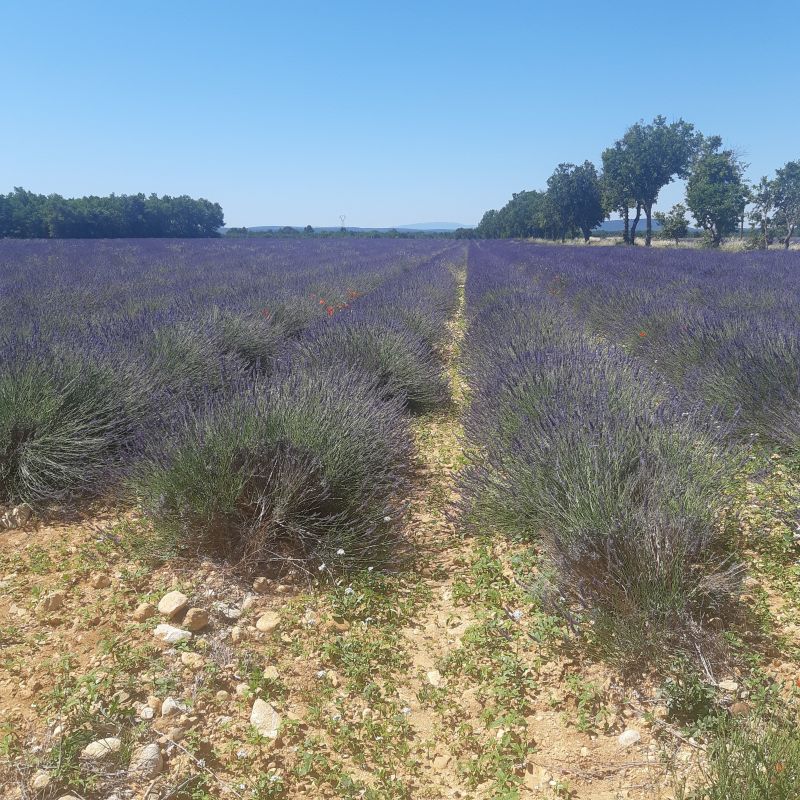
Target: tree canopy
{"points": [[26, 215]]}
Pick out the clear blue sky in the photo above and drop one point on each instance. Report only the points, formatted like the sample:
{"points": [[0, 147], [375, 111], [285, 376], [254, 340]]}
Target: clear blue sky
{"points": [[391, 113]]}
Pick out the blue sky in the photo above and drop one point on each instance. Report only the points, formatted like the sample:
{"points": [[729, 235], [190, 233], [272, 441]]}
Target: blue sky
{"points": [[295, 113]]}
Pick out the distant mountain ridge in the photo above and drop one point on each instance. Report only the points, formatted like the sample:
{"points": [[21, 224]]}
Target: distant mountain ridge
{"points": [[433, 227]]}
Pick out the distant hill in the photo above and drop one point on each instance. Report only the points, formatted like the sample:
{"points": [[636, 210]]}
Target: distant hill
{"points": [[431, 227], [618, 225]]}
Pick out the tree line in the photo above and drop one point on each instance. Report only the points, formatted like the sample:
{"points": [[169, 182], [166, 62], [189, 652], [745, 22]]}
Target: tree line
{"points": [[634, 170], [25, 215]]}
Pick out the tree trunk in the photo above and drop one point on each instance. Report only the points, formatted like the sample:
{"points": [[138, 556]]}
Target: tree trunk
{"points": [[788, 239], [586, 234], [648, 212], [626, 234], [765, 241], [636, 222]]}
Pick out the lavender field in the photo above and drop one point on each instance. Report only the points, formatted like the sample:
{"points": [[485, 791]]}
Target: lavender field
{"points": [[398, 518]]}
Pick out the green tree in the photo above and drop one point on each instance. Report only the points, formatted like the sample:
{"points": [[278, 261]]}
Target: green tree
{"points": [[715, 191], [656, 153], [618, 183], [762, 197], [787, 199], [575, 199], [674, 224]]}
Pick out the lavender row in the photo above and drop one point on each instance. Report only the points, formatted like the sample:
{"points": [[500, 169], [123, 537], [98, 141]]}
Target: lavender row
{"points": [[723, 328], [578, 447], [310, 469], [102, 344]]}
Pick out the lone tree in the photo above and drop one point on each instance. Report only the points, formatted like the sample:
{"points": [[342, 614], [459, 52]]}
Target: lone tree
{"points": [[787, 199], [715, 191], [655, 154], [674, 224], [575, 199]]}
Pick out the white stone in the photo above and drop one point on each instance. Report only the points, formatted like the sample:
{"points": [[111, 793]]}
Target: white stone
{"points": [[146, 761], [172, 603], [41, 780], [268, 622], [171, 635], [265, 719], [728, 686], [171, 706], [434, 677], [101, 748], [629, 737]]}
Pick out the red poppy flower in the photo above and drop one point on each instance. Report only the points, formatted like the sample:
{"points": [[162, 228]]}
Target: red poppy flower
{"points": [[330, 311], [642, 333]]}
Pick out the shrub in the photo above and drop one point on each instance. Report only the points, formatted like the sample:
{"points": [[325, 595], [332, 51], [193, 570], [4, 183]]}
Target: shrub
{"points": [[401, 362], [66, 423], [755, 758], [310, 469], [255, 339]]}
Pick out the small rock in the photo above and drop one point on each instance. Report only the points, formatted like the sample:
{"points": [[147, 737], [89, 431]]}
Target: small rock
{"points": [[53, 601], [341, 625], [261, 585], [434, 677], [248, 602], [176, 734], [146, 761], [101, 748], [310, 618], [441, 762], [271, 673], [740, 709], [222, 695], [171, 635], [230, 612], [728, 686], [144, 611], [629, 737], [145, 712], [584, 752], [172, 603], [171, 706], [241, 689], [265, 719], [100, 581], [237, 634], [192, 660], [196, 619], [41, 780], [268, 622], [154, 703]]}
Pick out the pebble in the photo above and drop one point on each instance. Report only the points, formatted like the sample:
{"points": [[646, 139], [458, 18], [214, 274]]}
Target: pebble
{"points": [[192, 660], [145, 712], [100, 580], [629, 737], [434, 677], [268, 622], [53, 601], [41, 780], [265, 719], [237, 634], [196, 619], [144, 611], [101, 748], [728, 685], [740, 709], [230, 612], [222, 695], [441, 762], [171, 635], [271, 673], [146, 761], [261, 585], [171, 706], [172, 603]]}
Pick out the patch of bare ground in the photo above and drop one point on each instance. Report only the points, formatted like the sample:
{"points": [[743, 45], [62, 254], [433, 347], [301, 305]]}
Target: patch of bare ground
{"points": [[445, 680]]}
